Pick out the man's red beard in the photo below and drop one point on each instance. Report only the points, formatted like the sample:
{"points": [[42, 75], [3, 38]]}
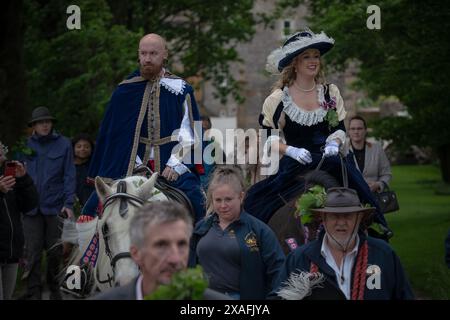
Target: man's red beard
{"points": [[150, 71]]}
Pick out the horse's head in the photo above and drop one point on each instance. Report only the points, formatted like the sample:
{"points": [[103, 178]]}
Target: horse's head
{"points": [[120, 202]]}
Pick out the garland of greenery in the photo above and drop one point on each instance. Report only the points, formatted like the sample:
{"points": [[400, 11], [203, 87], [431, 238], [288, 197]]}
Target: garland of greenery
{"points": [[188, 284], [312, 199]]}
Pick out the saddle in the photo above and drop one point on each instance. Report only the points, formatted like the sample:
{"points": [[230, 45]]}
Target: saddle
{"points": [[168, 190]]}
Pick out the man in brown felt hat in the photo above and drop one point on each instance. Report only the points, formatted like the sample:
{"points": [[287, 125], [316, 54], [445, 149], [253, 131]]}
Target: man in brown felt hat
{"points": [[343, 263], [51, 167]]}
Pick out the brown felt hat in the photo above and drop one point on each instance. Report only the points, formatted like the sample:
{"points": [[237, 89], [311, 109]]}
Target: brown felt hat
{"points": [[342, 200]]}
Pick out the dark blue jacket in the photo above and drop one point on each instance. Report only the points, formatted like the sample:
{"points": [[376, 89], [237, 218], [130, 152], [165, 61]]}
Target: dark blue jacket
{"points": [[52, 169], [260, 261], [394, 284]]}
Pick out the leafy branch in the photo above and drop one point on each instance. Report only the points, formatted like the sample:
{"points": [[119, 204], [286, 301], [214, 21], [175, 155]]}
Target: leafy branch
{"points": [[185, 285], [312, 199]]}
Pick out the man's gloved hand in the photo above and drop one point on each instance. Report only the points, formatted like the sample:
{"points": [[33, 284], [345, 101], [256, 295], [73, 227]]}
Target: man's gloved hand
{"points": [[301, 155], [174, 169], [331, 148]]}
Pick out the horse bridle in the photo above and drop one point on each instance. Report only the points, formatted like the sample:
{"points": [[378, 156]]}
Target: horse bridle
{"points": [[123, 210]]}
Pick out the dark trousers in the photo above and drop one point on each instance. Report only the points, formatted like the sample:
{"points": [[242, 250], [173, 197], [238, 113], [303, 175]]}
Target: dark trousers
{"points": [[42, 232]]}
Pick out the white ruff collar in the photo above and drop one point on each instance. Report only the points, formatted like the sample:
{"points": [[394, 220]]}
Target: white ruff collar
{"points": [[176, 86]]}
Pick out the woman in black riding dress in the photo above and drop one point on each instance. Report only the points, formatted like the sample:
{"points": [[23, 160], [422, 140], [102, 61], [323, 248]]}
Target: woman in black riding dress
{"points": [[310, 114]]}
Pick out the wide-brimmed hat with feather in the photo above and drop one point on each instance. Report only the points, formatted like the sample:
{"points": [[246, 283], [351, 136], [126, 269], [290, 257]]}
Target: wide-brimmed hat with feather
{"points": [[295, 45]]}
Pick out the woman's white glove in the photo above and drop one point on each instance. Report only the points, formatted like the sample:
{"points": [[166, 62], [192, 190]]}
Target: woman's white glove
{"points": [[331, 148], [301, 155]]}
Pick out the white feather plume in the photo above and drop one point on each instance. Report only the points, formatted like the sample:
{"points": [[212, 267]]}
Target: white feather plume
{"points": [[273, 59], [278, 54], [300, 285]]}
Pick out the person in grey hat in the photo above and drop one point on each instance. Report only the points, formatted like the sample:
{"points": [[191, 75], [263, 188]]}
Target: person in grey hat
{"points": [[343, 263], [51, 167], [41, 114]]}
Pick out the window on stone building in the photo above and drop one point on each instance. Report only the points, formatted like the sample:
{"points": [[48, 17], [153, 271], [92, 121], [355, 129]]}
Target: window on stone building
{"points": [[287, 28]]}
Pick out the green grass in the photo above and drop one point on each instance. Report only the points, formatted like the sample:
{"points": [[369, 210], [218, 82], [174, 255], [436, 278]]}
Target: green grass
{"points": [[420, 229]]}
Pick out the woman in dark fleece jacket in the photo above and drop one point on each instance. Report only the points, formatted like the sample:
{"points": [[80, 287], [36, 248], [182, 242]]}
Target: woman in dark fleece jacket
{"points": [[17, 195]]}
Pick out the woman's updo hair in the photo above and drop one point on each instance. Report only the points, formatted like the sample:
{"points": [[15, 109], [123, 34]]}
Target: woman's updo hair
{"points": [[224, 175]]}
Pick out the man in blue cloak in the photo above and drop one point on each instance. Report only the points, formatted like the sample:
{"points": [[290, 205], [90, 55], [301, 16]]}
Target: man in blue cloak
{"points": [[150, 115]]}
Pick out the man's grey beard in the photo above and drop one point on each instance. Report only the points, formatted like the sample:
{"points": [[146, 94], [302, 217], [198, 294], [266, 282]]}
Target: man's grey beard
{"points": [[150, 73]]}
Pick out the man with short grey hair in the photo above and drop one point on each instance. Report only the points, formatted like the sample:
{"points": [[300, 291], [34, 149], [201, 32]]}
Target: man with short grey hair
{"points": [[159, 234], [156, 213]]}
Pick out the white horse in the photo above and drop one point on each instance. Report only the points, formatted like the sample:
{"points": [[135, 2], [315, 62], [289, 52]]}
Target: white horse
{"points": [[114, 265]]}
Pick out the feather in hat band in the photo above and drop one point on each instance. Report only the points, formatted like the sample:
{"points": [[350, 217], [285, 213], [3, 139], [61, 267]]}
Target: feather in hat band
{"points": [[296, 44]]}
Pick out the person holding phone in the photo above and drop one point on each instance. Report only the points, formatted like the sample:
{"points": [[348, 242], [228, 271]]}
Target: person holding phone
{"points": [[17, 195], [52, 169]]}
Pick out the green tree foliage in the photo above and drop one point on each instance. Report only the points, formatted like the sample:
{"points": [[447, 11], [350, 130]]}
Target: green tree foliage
{"points": [[74, 72], [407, 58], [202, 35], [13, 112]]}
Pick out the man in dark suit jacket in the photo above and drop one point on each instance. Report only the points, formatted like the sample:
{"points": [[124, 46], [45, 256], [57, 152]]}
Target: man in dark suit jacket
{"points": [[159, 236]]}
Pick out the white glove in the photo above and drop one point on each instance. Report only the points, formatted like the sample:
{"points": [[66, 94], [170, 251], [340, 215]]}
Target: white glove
{"points": [[180, 169], [331, 148], [176, 165], [301, 155]]}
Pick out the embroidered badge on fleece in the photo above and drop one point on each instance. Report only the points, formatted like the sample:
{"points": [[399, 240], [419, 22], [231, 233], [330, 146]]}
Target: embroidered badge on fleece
{"points": [[251, 242]]}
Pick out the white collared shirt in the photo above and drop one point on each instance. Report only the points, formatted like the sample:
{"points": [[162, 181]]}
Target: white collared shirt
{"points": [[139, 295], [343, 272]]}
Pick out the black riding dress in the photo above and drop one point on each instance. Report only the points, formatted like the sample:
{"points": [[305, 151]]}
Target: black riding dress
{"points": [[267, 196]]}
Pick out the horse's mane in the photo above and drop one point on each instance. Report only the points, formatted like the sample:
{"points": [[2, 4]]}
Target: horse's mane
{"points": [[322, 178]]}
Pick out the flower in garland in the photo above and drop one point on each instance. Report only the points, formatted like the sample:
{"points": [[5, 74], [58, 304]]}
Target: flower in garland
{"points": [[331, 116]]}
